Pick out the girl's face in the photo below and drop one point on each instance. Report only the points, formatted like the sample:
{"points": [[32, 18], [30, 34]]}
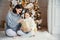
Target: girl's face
{"points": [[27, 15], [19, 10]]}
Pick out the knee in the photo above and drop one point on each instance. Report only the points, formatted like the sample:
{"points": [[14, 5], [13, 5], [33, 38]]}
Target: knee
{"points": [[10, 32]]}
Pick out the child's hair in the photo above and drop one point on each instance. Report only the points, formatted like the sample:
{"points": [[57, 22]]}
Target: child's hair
{"points": [[27, 11]]}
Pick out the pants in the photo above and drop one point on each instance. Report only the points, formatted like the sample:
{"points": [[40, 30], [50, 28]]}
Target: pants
{"points": [[12, 33]]}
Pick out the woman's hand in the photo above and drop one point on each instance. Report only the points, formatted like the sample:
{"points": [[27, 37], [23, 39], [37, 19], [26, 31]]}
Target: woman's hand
{"points": [[20, 20]]}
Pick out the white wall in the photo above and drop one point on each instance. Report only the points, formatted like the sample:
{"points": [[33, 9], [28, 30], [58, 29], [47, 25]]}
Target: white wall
{"points": [[50, 9], [57, 18], [54, 17]]}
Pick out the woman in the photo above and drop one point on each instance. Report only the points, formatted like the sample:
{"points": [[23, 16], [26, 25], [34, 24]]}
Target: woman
{"points": [[13, 20]]}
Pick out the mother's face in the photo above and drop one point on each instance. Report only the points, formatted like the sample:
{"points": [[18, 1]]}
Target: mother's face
{"points": [[18, 10]]}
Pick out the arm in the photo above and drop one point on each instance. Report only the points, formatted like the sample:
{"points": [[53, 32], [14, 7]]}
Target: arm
{"points": [[33, 25], [10, 21]]}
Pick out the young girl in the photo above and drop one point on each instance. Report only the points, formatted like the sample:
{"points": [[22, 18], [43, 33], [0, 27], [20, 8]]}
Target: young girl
{"points": [[28, 24]]}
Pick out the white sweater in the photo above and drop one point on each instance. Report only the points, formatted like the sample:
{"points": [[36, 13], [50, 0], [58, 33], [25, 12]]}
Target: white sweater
{"points": [[30, 22]]}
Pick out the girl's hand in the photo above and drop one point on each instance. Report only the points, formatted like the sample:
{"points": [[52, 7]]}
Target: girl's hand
{"points": [[21, 20]]}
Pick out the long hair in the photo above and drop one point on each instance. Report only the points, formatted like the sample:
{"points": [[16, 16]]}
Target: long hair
{"points": [[18, 6]]}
